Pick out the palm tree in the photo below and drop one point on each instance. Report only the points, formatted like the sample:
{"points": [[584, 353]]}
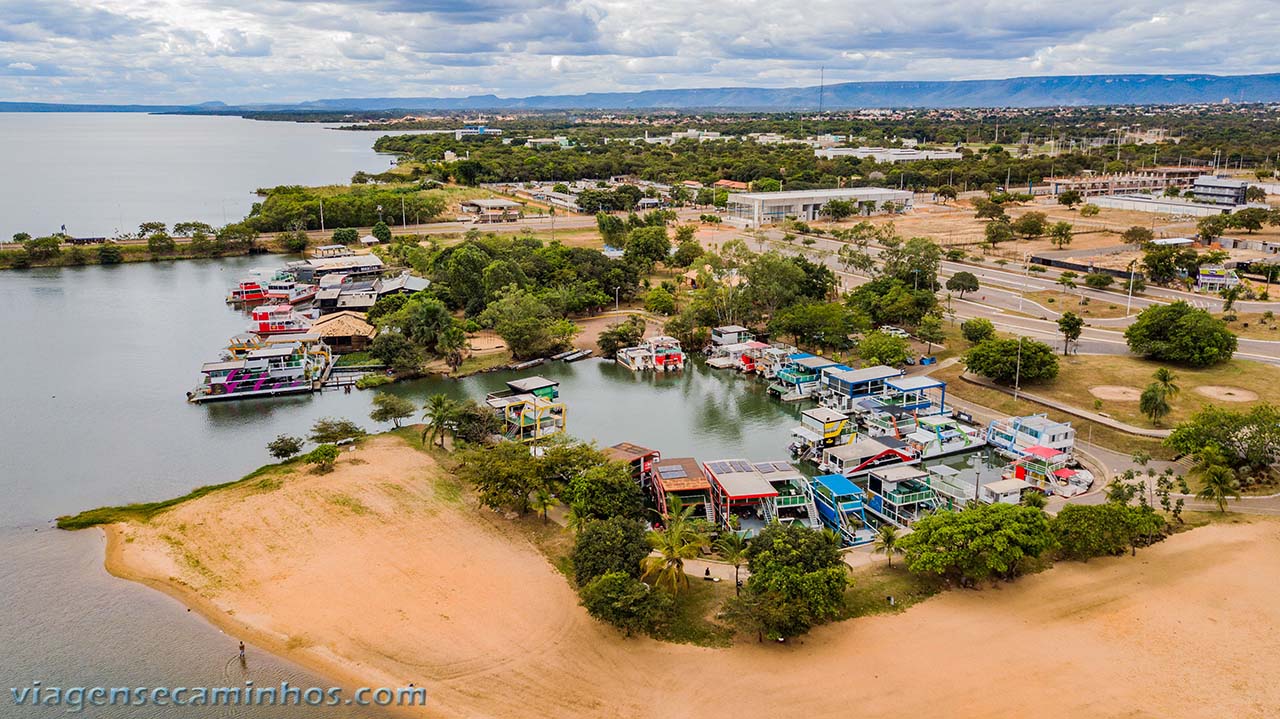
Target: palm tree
{"points": [[1165, 378], [1153, 403], [733, 549], [440, 413], [887, 541], [1218, 481], [1034, 499], [542, 500], [675, 543]]}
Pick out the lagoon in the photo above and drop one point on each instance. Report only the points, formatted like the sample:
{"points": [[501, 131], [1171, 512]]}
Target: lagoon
{"points": [[96, 364], [104, 173]]}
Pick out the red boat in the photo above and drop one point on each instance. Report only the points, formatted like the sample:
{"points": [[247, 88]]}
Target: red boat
{"points": [[288, 290], [278, 319], [248, 291]]}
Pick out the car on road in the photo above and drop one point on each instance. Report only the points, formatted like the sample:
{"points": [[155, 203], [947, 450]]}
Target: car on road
{"points": [[896, 332]]}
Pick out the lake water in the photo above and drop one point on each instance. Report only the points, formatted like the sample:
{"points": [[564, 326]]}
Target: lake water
{"points": [[96, 364], [102, 173]]}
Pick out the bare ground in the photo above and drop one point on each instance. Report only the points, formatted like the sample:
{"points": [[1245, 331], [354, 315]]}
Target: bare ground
{"points": [[379, 573]]}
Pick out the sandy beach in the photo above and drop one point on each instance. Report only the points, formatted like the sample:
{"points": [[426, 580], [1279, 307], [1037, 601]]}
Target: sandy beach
{"points": [[383, 572]]}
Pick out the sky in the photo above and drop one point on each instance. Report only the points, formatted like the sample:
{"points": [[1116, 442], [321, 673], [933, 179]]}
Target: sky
{"points": [[245, 51]]}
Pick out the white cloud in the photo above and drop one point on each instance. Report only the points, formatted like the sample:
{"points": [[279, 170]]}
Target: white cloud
{"points": [[281, 50]]}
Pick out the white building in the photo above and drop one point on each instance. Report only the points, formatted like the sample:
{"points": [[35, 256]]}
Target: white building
{"points": [[886, 154], [753, 209], [1220, 190], [1004, 491], [1012, 436], [1160, 204]]}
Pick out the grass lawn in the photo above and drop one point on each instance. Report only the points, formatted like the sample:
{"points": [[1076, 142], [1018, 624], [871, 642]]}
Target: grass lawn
{"points": [[478, 363], [695, 611], [356, 359], [1080, 373], [1003, 403], [1070, 302], [1251, 325], [869, 587]]}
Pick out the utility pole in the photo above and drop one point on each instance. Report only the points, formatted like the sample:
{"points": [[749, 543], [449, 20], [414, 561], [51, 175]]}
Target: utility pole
{"points": [[1017, 376], [322, 214], [403, 220], [1128, 305], [615, 298]]}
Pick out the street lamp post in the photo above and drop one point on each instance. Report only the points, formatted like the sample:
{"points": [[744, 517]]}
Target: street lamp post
{"points": [[615, 298], [1017, 374], [1128, 303]]}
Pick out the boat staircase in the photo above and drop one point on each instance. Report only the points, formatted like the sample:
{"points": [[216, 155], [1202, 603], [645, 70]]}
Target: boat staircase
{"points": [[710, 511]]}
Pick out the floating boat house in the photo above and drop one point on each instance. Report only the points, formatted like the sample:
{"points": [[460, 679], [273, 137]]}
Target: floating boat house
{"points": [[639, 459], [793, 502], [660, 353], [682, 477], [729, 335], [277, 319], [353, 266], [862, 455], [530, 409], [841, 506], [742, 498], [1012, 436], [339, 294], [900, 494], [730, 356], [1041, 465], [842, 388], [798, 378], [820, 427], [277, 369], [770, 360], [938, 435], [1004, 491], [755, 352]]}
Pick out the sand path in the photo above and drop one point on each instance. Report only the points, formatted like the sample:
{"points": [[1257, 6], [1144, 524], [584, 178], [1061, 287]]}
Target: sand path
{"points": [[379, 575]]}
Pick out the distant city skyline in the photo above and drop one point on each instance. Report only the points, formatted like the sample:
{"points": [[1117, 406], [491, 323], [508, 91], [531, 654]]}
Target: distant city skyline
{"points": [[237, 51]]}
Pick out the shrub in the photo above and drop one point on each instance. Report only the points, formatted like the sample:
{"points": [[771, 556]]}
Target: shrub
{"points": [[609, 545], [323, 457], [977, 330], [619, 599], [284, 446], [1009, 360], [1181, 333]]}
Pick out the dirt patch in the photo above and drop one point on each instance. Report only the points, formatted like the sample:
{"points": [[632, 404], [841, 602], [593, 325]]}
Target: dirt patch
{"points": [[1226, 393], [589, 329], [486, 342], [1115, 393]]}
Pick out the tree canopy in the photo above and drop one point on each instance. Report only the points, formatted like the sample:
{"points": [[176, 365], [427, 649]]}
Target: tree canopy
{"points": [[1181, 333]]}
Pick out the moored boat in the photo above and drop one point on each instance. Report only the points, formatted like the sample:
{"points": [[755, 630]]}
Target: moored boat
{"points": [[277, 319], [275, 369]]}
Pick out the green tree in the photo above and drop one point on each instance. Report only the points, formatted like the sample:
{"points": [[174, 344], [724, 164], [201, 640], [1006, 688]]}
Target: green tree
{"points": [[159, 243], [1211, 227], [930, 332], [1218, 482], [1031, 225], [1154, 403], [799, 573], [1071, 326], [687, 252], [619, 599], [346, 236], [1249, 219], [963, 282], [977, 330], [284, 446], [1137, 236], [1012, 360], [1181, 333], [527, 324], [381, 232], [109, 253], [985, 209], [1098, 280], [947, 192], [883, 348], [732, 548], [839, 209], [887, 542], [660, 301], [1084, 531], [439, 413], [1249, 440], [612, 229], [1070, 198], [1060, 234], [609, 545], [391, 408], [323, 457], [675, 542], [396, 351], [328, 430], [977, 543], [1090, 210], [605, 491], [996, 232], [627, 333], [1167, 380], [647, 246]]}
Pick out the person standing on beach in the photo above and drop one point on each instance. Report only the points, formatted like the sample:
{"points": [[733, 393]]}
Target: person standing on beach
{"points": [[242, 651]]}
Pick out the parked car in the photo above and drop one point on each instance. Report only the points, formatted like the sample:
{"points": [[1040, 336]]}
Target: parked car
{"points": [[896, 332]]}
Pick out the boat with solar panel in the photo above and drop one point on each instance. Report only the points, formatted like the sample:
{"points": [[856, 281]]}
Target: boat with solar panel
{"points": [[748, 496]]}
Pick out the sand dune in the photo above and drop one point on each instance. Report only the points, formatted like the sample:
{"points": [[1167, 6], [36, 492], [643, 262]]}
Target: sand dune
{"points": [[377, 574]]}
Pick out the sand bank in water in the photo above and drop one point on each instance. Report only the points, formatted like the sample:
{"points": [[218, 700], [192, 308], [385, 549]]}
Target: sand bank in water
{"points": [[379, 575]]}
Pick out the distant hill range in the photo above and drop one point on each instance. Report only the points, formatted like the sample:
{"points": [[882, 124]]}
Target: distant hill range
{"points": [[1070, 90]]}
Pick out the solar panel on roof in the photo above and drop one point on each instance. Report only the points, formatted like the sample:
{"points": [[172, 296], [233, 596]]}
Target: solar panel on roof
{"points": [[783, 467], [764, 468], [675, 472], [719, 467], [741, 466]]}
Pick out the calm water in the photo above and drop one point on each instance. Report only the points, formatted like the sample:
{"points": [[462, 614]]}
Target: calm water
{"points": [[95, 367], [99, 173]]}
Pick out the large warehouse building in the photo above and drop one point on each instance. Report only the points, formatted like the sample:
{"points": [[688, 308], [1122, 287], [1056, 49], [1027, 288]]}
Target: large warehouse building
{"points": [[753, 209]]}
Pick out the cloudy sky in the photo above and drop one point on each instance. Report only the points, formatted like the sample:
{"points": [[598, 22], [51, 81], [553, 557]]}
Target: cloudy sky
{"points": [[169, 51]]}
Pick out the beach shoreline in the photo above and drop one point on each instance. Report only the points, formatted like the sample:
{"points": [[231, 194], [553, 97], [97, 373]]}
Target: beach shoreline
{"points": [[479, 616]]}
